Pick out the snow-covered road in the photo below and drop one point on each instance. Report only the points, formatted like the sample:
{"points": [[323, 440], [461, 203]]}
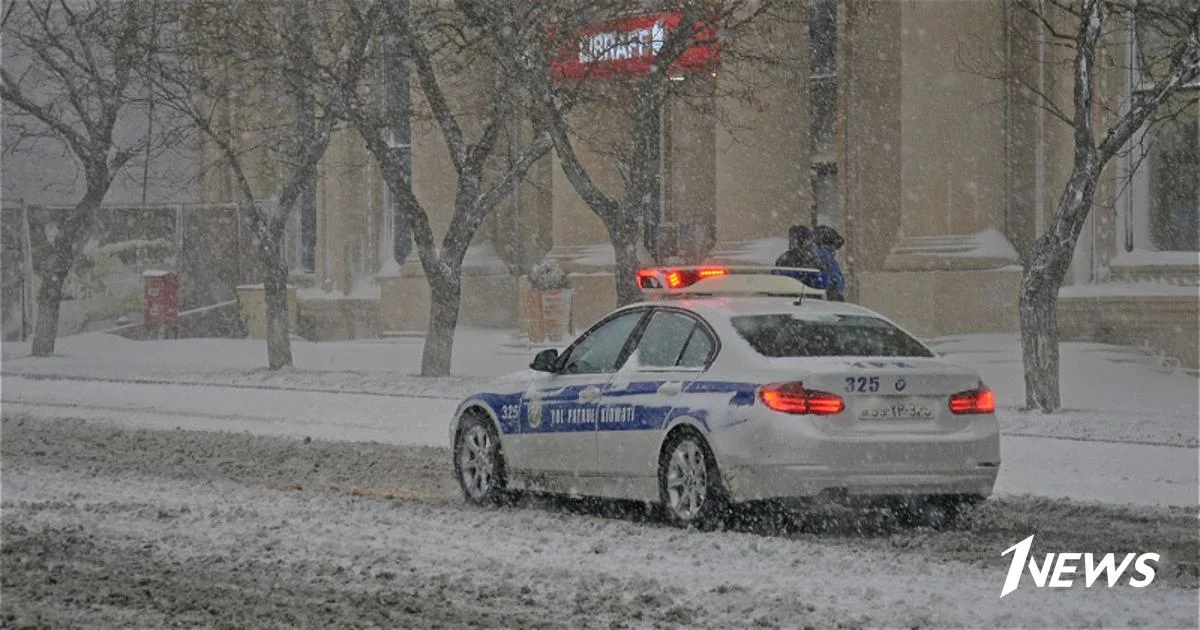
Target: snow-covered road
{"points": [[1077, 469], [106, 526]]}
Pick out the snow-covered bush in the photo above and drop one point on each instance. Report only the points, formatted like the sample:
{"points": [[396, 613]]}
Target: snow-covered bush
{"points": [[548, 275]]}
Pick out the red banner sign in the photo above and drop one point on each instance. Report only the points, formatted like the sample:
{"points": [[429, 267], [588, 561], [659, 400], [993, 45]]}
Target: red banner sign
{"points": [[629, 46]]}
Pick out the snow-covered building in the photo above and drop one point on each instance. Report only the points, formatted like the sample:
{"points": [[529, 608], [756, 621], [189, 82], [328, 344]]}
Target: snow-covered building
{"points": [[887, 122]]}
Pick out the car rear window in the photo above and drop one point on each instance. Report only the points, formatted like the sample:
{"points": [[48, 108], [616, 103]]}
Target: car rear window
{"points": [[832, 335]]}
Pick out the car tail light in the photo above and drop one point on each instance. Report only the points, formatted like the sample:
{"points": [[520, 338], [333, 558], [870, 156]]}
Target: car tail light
{"points": [[793, 398], [982, 400]]}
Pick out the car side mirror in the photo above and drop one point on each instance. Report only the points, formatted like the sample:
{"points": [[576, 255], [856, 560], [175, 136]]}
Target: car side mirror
{"points": [[545, 360]]}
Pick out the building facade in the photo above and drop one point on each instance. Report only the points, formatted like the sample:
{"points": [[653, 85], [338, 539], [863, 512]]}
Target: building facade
{"points": [[885, 120]]}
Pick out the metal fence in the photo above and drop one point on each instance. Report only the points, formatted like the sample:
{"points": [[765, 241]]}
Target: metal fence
{"points": [[210, 246]]}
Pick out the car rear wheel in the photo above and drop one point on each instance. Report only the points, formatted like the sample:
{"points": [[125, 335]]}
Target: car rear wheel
{"points": [[689, 483], [478, 464]]}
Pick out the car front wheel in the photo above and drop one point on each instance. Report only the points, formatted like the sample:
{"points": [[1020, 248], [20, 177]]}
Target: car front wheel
{"points": [[478, 464]]}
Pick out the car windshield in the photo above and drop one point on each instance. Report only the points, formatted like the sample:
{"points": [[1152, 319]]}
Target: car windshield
{"points": [[827, 335]]}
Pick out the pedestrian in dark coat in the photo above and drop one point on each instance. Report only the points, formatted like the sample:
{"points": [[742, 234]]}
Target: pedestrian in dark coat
{"points": [[800, 250], [826, 243]]}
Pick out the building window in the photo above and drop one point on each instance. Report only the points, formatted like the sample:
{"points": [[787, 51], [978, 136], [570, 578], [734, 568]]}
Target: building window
{"points": [[396, 237], [1172, 168], [822, 109], [1164, 199]]}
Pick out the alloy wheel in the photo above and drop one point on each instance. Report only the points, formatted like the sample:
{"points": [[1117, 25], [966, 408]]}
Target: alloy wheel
{"points": [[687, 480], [477, 463]]}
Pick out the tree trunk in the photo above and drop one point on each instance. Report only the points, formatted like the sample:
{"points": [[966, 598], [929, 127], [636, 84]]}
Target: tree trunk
{"points": [[625, 239], [445, 296], [1041, 281], [49, 298], [279, 342], [1039, 342], [66, 249]]}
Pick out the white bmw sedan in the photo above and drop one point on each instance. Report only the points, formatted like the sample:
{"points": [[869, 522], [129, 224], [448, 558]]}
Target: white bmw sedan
{"points": [[733, 390]]}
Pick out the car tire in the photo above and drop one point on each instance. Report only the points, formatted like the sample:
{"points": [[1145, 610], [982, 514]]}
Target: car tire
{"points": [[478, 463], [689, 483]]}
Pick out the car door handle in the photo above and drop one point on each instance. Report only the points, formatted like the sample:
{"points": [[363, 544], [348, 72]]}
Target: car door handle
{"points": [[670, 388], [589, 394]]}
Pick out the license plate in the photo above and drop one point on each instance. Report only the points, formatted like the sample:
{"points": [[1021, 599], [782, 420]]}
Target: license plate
{"points": [[896, 411]]}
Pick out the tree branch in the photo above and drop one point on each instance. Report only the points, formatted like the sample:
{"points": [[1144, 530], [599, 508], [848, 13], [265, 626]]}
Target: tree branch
{"points": [[420, 56], [1085, 72], [1185, 68], [13, 94]]}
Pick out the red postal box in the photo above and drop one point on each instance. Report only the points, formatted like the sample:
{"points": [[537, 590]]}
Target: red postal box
{"points": [[162, 298]]}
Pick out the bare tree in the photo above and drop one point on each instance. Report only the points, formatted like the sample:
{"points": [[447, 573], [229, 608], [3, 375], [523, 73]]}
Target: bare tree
{"points": [[625, 212], [1050, 258], [70, 73], [267, 79], [440, 43]]}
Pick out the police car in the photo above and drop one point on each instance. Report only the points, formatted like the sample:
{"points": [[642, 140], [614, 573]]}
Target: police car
{"points": [[733, 385]]}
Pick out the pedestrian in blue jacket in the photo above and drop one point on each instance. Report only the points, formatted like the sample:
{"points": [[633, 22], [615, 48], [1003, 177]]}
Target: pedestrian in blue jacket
{"points": [[826, 243]]}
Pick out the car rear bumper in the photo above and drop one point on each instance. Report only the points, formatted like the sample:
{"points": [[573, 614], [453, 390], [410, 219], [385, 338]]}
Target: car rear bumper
{"points": [[774, 456], [758, 482]]}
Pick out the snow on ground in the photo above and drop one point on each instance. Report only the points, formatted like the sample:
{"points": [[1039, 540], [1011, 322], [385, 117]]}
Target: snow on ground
{"points": [[1111, 393], [566, 570], [1129, 435], [111, 527], [476, 353], [1109, 472], [320, 415], [377, 366], [1128, 289]]}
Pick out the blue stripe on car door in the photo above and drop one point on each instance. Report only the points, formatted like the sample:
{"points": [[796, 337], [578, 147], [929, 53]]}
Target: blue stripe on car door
{"points": [[562, 411]]}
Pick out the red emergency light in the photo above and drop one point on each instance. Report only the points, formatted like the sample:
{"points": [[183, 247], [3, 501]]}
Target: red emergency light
{"points": [[676, 278]]}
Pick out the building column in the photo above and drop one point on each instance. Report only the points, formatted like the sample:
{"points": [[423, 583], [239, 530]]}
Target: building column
{"points": [[948, 266], [687, 228], [762, 151]]}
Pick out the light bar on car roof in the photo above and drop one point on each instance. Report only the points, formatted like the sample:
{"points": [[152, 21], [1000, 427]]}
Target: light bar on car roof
{"points": [[719, 280]]}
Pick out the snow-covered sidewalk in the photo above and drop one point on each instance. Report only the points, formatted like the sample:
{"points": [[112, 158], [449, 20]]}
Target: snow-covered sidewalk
{"points": [[1109, 472], [1129, 435], [1110, 393], [383, 366]]}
